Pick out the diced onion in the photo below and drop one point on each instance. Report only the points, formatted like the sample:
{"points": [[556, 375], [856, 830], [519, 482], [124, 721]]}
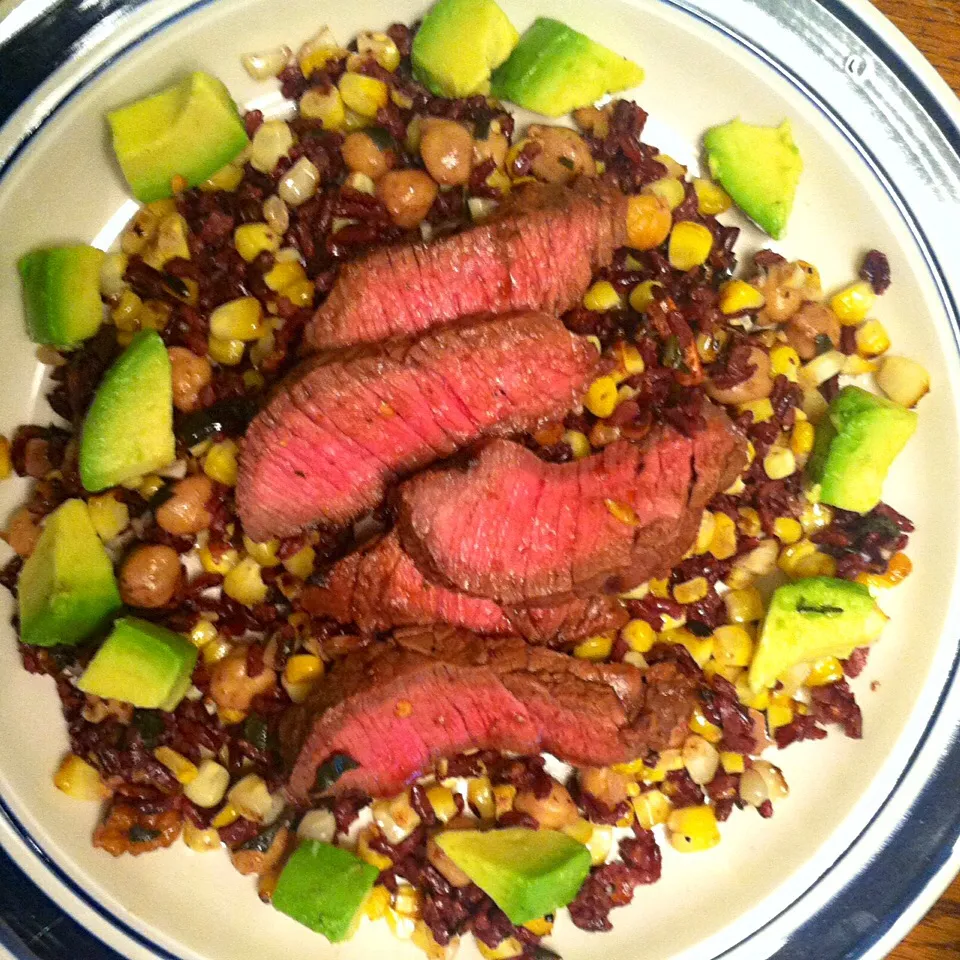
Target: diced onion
{"points": [[276, 214], [318, 825], [903, 380], [272, 141], [821, 369], [263, 64]]}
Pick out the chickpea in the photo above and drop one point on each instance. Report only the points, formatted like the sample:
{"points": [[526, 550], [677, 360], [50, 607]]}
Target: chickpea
{"points": [[446, 867], [362, 155], [604, 784], [757, 386], [186, 511], [563, 154], [554, 811], [23, 532], [494, 147], [190, 375], [150, 576], [408, 195], [261, 862], [811, 321], [784, 292], [232, 688], [447, 149]]}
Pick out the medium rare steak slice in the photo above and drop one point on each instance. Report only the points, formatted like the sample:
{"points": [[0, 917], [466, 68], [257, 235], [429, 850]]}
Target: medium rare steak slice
{"points": [[397, 707], [539, 253], [337, 433], [379, 587], [515, 529]]}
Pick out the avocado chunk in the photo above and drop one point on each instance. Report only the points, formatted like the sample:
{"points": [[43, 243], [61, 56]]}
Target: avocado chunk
{"points": [[856, 442], [129, 428], [189, 130], [813, 618], [556, 69], [759, 167], [67, 589], [323, 887], [459, 43], [61, 294], [142, 664], [527, 873]]}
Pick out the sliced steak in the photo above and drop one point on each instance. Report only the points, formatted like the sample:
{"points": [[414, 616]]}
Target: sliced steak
{"points": [[397, 707], [515, 529], [379, 587], [538, 254], [336, 433]]}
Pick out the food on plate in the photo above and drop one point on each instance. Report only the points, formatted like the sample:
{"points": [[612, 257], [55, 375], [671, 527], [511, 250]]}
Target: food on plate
{"points": [[856, 442], [459, 43], [810, 620], [61, 294], [326, 447], [556, 69], [537, 253], [178, 137], [486, 517], [759, 167], [67, 588], [527, 873]]}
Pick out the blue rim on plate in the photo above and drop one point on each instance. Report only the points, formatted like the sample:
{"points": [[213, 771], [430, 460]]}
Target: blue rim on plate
{"points": [[918, 854]]}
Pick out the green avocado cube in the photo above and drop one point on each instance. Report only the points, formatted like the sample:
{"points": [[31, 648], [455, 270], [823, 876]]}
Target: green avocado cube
{"points": [[188, 131], [556, 69], [128, 430], [527, 873], [142, 664], [67, 589], [856, 442], [759, 167], [323, 887], [61, 294], [813, 618]]}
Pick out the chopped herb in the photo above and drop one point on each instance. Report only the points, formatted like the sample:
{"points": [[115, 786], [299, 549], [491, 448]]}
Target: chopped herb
{"points": [[823, 343], [160, 497], [381, 137], [332, 769], [179, 288], [256, 732], [149, 724], [142, 834], [880, 524], [231, 416], [263, 841], [672, 354], [541, 952], [481, 128], [566, 162], [825, 610], [698, 629], [300, 474]]}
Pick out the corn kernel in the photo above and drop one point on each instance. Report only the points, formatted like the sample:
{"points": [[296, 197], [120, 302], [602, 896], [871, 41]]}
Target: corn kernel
{"points": [[732, 762], [723, 545], [708, 525], [744, 606], [225, 816], [203, 632], [779, 463], [253, 380], [80, 780], [238, 320], [221, 564], [802, 437], [852, 304], [711, 198], [504, 795], [303, 668], [690, 245], [787, 530], [245, 584], [220, 463], [601, 399], [872, 339], [675, 169], [264, 553], [480, 797], [315, 53], [732, 646], [693, 829], [367, 854], [227, 178], [814, 517], [667, 189], [251, 798], [639, 636], [381, 47], [441, 800], [602, 296], [857, 366], [504, 950], [632, 768], [755, 701], [127, 311], [300, 294], [149, 486], [594, 648], [762, 409], [779, 713], [700, 648], [327, 107], [691, 591], [227, 352], [200, 841], [700, 725], [737, 295], [377, 902], [541, 927], [282, 274], [183, 769], [898, 569], [301, 563], [216, 650], [785, 362], [252, 239], [815, 565], [648, 221], [660, 588], [578, 443], [642, 295], [109, 515], [749, 523], [208, 787], [651, 808], [824, 671], [364, 95]]}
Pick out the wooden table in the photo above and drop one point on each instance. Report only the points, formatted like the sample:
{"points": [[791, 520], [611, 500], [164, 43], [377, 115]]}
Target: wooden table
{"points": [[934, 26]]}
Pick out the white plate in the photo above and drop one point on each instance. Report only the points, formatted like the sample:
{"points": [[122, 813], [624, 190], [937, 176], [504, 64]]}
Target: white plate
{"points": [[866, 839]]}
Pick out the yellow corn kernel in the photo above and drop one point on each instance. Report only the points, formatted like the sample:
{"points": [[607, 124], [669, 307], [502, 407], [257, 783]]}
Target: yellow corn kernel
{"points": [[480, 797], [708, 525], [737, 295], [660, 588], [785, 361], [815, 565], [183, 769], [700, 648], [711, 198], [601, 840], [504, 950], [264, 553], [315, 53], [699, 724], [377, 902], [787, 530], [227, 352], [503, 796], [220, 463], [824, 671], [749, 523], [203, 632], [127, 311], [226, 815], [779, 713], [441, 800], [732, 762], [642, 295], [239, 319], [690, 245], [693, 829], [601, 398], [856, 366], [639, 636], [541, 927], [207, 789], [300, 294], [744, 606], [732, 645], [668, 189], [802, 437], [367, 854], [327, 107], [602, 296], [79, 780], [594, 648], [6, 465], [762, 410], [109, 515], [226, 562], [303, 668], [200, 841], [853, 303], [632, 768], [149, 486], [283, 274], [227, 178], [301, 563], [252, 239], [755, 701], [792, 554], [216, 650], [814, 517], [651, 808], [578, 443], [252, 798], [723, 545], [675, 169], [898, 569], [381, 47], [169, 242], [779, 463], [245, 584], [872, 339], [629, 360], [364, 95], [691, 591]]}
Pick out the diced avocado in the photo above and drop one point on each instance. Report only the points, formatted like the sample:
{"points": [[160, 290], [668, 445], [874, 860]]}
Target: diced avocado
{"points": [[813, 618], [142, 664], [527, 873], [189, 130], [856, 442], [129, 428], [61, 294], [459, 43], [323, 887], [556, 69], [67, 589], [759, 167]]}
